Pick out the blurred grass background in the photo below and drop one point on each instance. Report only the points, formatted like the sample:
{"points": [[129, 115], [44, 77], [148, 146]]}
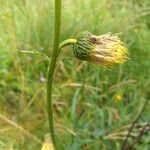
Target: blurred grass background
{"points": [[84, 115]]}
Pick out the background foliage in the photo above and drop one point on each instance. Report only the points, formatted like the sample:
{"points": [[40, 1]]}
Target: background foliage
{"points": [[86, 103]]}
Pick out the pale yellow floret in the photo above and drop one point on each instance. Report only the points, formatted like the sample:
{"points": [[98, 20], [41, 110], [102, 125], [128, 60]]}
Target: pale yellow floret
{"points": [[109, 53]]}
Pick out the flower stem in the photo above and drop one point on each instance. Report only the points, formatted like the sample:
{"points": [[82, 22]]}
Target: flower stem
{"points": [[67, 42], [52, 68]]}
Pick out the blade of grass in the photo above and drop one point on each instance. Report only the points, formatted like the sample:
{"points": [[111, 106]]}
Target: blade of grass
{"points": [[123, 147], [20, 128]]}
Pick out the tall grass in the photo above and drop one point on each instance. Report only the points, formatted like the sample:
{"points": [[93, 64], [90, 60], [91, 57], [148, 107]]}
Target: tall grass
{"points": [[28, 25]]}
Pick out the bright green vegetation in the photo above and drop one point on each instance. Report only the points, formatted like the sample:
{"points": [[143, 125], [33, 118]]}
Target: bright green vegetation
{"points": [[85, 110]]}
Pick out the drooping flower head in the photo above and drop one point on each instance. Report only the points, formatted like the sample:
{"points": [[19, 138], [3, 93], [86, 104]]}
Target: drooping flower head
{"points": [[105, 50]]}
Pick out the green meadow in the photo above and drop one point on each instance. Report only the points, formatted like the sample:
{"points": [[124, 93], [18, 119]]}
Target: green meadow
{"points": [[93, 106]]}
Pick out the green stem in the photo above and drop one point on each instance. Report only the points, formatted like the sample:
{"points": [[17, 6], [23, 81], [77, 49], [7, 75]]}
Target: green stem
{"points": [[52, 68], [67, 42]]}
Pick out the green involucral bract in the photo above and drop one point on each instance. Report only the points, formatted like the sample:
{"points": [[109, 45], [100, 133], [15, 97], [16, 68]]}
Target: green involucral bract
{"points": [[83, 46]]}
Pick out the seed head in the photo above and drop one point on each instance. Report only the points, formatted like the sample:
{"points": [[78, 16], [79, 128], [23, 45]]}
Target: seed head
{"points": [[105, 50]]}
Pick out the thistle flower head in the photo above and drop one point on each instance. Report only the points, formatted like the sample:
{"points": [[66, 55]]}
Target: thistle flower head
{"points": [[105, 50]]}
